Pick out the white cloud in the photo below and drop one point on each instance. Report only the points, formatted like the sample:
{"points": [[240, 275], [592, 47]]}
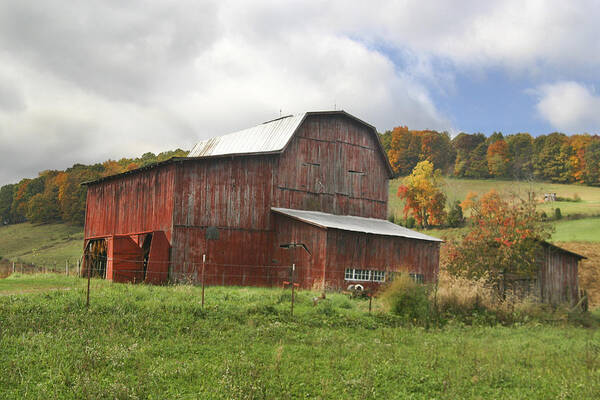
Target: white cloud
{"points": [[570, 107], [84, 81]]}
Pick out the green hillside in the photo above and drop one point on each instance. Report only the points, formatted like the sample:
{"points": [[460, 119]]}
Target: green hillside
{"points": [[457, 189], [42, 245]]}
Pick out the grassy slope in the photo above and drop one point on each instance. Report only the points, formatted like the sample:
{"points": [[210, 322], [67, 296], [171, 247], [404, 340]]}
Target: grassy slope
{"points": [[156, 342], [582, 230], [457, 189], [42, 245]]}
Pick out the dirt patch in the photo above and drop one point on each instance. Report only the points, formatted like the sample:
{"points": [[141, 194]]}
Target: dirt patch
{"points": [[589, 269]]}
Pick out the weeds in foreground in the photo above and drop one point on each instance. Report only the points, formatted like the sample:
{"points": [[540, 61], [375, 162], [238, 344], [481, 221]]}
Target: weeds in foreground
{"points": [[472, 302]]}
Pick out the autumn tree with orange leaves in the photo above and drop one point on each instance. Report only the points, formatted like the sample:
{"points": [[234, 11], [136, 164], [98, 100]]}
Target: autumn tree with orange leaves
{"points": [[423, 196], [505, 238]]}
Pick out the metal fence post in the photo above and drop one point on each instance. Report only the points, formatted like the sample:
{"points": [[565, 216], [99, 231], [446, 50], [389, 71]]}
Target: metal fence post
{"points": [[203, 265], [293, 269]]}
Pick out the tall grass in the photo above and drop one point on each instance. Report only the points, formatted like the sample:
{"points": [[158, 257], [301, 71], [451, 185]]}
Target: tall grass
{"points": [[474, 302]]}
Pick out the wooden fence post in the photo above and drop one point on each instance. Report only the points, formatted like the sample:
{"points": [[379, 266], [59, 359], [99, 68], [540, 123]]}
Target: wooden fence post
{"points": [[89, 275]]}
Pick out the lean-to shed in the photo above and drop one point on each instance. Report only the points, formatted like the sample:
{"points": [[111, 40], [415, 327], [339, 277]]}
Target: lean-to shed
{"points": [[309, 190]]}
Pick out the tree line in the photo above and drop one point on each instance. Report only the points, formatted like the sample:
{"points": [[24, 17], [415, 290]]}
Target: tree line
{"points": [[57, 196], [554, 157]]}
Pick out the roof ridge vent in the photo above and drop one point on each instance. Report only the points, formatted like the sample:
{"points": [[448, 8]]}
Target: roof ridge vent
{"points": [[277, 119]]}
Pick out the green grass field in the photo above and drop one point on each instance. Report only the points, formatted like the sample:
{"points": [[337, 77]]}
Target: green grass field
{"points": [[457, 189], [157, 342], [25, 283], [579, 230]]}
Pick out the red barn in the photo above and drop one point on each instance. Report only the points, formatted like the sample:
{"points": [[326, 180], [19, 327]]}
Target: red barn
{"points": [[310, 190]]}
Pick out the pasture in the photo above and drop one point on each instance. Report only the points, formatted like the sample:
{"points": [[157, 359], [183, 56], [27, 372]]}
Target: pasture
{"points": [[157, 342], [457, 189]]}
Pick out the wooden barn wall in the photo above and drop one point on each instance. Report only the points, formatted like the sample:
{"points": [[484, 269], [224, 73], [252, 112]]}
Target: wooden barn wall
{"points": [[232, 197], [310, 268], [558, 277], [132, 203], [224, 192], [313, 172], [378, 252]]}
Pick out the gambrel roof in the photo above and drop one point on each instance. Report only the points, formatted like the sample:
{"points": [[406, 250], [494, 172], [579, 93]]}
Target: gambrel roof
{"points": [[268, 138]]}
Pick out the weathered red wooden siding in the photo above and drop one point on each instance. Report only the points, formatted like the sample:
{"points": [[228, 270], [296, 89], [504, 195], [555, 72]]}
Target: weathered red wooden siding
{"points": [[558, 281], [233, 196], [310, 268], [338, 145], [158, 259], [133, 203], [378, 252], [335, 250]]}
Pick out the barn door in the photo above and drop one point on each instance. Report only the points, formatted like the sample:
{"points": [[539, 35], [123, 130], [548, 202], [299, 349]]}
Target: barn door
{"points": [[125, 260]]}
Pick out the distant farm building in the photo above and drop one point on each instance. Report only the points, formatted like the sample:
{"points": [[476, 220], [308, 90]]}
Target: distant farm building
{"points": [[309, 190], [556, 280]]}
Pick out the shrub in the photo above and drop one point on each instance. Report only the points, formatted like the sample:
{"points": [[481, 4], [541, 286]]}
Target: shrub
{"points": [[576, 197], [409, 222], [406, 298], [455, 215], [557, 213]]}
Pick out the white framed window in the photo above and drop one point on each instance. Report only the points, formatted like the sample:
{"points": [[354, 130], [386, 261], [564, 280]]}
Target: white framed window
{"points": [[378, 276], [364, 275], [418, 278]]}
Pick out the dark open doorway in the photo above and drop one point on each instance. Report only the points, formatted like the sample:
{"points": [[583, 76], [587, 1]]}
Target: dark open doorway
{"points": [[95, 258]]}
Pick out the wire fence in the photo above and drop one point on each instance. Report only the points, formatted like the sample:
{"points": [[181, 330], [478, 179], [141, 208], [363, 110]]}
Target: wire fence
{"points": [[69, 267], [286, 277]]}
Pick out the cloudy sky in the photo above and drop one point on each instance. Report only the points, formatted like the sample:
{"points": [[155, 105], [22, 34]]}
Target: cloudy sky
{"points": [[84, 81]]}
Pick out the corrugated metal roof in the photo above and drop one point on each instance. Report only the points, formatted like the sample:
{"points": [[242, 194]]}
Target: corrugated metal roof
{"points": [[268, 137], [354, 224]]}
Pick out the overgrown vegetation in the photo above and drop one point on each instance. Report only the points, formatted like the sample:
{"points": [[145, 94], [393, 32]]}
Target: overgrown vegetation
{"points": [[157, 342], [504, 239], [457, 299]]}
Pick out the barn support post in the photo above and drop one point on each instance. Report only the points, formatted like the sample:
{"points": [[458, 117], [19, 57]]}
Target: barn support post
{"points": [[203, 265]]}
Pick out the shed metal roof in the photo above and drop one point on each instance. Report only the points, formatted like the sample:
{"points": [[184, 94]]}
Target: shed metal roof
{"points": [[268, 137], [555, 247], [355, 224]]}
